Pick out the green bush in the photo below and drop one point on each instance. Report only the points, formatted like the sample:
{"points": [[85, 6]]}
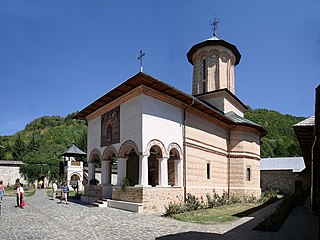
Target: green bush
{"points": [[193, 203], [174, 208]]}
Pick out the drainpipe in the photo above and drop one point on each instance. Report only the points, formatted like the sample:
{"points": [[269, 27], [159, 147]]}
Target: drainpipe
{"points": [[312, 180], [184, 151]]}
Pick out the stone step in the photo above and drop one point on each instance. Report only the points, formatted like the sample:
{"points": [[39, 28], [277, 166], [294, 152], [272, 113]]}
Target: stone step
{"points": [[96, 204], [128, 206]]}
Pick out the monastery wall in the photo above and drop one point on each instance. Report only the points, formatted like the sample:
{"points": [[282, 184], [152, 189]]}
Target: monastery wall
{"points": [[9, 174], [206, 148], [244, 162]]}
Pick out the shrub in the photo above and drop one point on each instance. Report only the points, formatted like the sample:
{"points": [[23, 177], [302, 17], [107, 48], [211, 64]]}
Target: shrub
{"points": [[192, 202], [174, 208]]}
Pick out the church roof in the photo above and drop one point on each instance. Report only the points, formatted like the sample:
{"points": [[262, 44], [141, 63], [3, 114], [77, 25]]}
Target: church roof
{"points": [[73, 151], [142, 79], [296, 164], [212, 42]]}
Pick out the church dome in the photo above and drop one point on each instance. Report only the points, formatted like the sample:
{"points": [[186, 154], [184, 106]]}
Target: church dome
{"points": [[214, 41]]}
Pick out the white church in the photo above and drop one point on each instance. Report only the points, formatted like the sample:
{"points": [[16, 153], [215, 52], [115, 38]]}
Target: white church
{"points": [[166, 143]]}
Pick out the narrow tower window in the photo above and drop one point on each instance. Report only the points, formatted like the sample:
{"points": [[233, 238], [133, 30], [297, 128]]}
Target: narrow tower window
{"points": [[204, 87], [248, 174], [208, 170], [204, 69]]}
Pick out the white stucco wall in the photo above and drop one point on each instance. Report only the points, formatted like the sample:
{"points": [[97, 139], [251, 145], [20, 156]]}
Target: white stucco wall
{"points": [[131, 121], [130, 126], [161, 121], [94, 135]]}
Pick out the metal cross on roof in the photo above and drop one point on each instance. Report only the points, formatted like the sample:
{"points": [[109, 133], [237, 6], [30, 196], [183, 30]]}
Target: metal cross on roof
{"points": [[214, 25], [141, 55]]}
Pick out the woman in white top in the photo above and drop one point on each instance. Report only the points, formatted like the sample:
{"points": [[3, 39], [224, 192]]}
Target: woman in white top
{"points": [[20, 192]]}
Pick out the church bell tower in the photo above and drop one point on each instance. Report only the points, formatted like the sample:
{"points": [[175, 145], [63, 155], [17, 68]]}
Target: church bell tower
{"points": [[213, 63]]}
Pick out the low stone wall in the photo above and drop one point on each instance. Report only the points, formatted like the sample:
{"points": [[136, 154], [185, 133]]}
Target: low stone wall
{"points": [[283, 180], [129, 194], [93, 191], [153, 198], [10, 172]]}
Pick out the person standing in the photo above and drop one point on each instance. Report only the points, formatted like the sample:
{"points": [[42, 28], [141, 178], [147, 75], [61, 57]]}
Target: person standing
{"points": [[20, 193], [64, 192], [54, 190], [1, 190]]}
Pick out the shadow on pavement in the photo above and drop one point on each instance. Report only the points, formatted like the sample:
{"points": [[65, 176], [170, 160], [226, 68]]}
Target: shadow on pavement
{"points": [[192, 236]]}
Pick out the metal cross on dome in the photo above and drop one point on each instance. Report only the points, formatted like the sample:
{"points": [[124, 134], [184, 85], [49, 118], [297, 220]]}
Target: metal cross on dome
{"points": [[141, 55], [214, 25]]}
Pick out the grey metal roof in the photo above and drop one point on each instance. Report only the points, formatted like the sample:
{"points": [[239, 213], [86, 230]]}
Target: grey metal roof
{"points": [[10, 162], [237, 119], [73, 151], [296, 164], [307, 122]]}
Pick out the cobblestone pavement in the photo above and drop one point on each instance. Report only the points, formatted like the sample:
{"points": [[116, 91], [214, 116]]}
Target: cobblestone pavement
{"points": [[43, 218]]}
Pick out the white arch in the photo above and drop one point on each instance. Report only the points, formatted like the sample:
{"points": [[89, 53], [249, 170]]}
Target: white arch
{"points": [[126, 148], [94, 152], [159, 144], [176, 147]]}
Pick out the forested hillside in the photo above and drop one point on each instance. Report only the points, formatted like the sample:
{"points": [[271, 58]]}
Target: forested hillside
{"points": [[281, 140], [41, 142], [44, 139]]}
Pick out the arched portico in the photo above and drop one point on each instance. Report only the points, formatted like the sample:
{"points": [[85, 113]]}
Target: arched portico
{"points": [[175, 165], [128, 163], [108, 160], [93, 161]]}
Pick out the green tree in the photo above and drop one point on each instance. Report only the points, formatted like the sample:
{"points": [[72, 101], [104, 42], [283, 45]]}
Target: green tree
{"points": [[2, 153], [19, 149]]}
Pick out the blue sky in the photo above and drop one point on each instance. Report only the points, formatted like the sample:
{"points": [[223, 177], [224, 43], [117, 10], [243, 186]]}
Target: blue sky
{"points": [[57, 57]]}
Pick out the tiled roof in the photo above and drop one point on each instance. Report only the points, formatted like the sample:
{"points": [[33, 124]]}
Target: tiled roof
{"points": [[296, 164], [307, 122]]}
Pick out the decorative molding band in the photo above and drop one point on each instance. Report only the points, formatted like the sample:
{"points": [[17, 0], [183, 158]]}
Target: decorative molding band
{"points": [[239, 154], [208, 145]]}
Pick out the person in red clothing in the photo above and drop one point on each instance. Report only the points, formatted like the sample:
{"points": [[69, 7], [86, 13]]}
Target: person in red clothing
{"points": [[20, 193]]}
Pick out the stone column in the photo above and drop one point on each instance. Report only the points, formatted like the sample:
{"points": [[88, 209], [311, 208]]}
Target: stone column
{"points": [[122, 168], [105, 179], [91, 171], [105, 172], [163, 172], [143, 171], [178, 172]]}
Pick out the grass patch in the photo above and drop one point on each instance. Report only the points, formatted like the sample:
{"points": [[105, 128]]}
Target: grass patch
{"points": [[71, 195], [12, 192], [220, 214]]}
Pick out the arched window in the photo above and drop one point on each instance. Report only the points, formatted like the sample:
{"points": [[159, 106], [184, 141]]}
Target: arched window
{"points": [[248, 174], [208, 170], [109, 133]]}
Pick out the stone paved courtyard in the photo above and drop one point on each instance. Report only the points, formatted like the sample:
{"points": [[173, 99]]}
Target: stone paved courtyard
{"points": [[43, 218]]}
